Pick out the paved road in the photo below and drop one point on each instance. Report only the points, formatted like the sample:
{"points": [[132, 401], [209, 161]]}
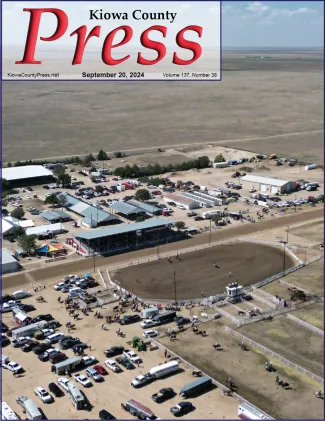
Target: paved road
{"points": [[86, 265]]}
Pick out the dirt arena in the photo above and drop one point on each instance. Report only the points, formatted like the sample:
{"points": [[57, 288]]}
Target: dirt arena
{"points": [[247, 371], [195, 273]]}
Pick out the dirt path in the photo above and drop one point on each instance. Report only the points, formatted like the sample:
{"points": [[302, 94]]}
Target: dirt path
{"points": [[86, 265]]}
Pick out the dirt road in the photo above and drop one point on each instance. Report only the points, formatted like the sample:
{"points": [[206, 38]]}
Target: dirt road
{"points": [[61, 270]]}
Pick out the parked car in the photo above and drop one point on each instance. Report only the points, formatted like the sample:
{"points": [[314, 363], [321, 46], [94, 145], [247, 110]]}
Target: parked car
{"points": [[115, 350], [63, 382], [100, 369], [39, 349], [57, 392], [183, 321], [182, 408], [69, 343], [57, 358], [43, 394], [77, 349], [128, 319], [88, 360], [83, 380], [150, 333], [29, 346], [126, 364], [91, 372], [163, 395], [105, 415], [142, 380], [132, 356], [111, 364], [43, 357], [46, 317]]}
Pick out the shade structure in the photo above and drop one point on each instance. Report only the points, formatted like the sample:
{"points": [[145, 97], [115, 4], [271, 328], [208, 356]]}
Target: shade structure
{"points": [[49, 248]]}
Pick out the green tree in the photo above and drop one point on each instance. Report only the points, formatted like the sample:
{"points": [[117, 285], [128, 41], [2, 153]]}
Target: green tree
{"points": [[9, 165], [99, 189], [180, 225], [118, 154], [219, 158], [18, 232], [27, 243], [135, 171], [18, 213], [102, 156], [51, 200], [62, 201], [128, 171], [119, 172], [140, 219], [5, 185], [61, 176], [142, 194], [216, 219]]}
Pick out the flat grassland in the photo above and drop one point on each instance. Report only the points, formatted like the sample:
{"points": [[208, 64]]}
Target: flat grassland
{"points": [[290, 340], [255, 100], [247, 371], [313, 232], [313, 314], [195, 273]]}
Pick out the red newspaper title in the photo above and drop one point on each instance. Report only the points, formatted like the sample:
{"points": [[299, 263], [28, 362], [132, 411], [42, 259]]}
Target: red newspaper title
{"points": [[108, 44]]}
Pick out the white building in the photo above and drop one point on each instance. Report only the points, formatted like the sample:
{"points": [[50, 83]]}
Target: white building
{"points": [[28, 174], [9, 224], [181, 201], [269, 185], [9, 262], [46, 229]]}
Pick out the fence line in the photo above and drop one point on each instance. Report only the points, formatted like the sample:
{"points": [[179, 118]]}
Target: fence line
{"points": [[242, 300], [102, 279], [270, 297], [227, 315], [306, 325], [287, 284], [264, 301], [214, 381], [265, 316], [275, 355]]}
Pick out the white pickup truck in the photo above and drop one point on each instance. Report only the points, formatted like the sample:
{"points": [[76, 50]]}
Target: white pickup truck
{"points": [[11, 365]]}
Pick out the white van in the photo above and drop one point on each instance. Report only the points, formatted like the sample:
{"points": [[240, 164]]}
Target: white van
{"points": [[52, 339], [20, 294], [164, 369]]}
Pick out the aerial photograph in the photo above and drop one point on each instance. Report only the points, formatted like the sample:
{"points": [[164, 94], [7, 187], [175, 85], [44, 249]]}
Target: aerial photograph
{"points": [[163, 241]]}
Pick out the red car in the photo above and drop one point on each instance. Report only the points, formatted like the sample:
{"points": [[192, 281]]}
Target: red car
{"points": [[100, 370]]}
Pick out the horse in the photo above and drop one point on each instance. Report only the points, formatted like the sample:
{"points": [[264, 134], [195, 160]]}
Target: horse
{"points": [[241, 313]]}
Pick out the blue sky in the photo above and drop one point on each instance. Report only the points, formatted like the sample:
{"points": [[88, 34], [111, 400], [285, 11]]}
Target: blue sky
{"points": [[273, 24]]}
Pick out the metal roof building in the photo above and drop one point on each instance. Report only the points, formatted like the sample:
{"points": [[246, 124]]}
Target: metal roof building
{"points": [[55, 216], [122, 238], [127, 209], [269, 184], [28, 174], [8, 262], [182, 200], [92, 216], [147, 207]]}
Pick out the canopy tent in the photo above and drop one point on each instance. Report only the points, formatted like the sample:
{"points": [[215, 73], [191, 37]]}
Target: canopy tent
{"points": [[49, 248]]}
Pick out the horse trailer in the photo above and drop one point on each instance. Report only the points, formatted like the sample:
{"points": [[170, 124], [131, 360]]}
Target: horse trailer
{"points": [[67, 365], [249, 412], [31, 409], [77, 398], [164, 369], [139, 410], [210, 214], [147, 313], [198, 386], [7, 413], [28, 330], [165, 317]]}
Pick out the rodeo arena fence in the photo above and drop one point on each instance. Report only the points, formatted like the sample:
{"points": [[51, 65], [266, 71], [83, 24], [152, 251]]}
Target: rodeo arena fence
{"points": [[214, 381], [306, 325], [275, 355]]}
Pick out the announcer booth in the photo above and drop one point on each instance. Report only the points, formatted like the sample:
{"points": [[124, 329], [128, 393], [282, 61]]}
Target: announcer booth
{"points": [[123, 238]]}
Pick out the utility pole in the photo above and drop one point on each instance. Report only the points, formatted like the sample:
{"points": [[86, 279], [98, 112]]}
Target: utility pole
{"points": [[210, 231], [94, 260], [175, 287], [288, 234], [284, 256]]}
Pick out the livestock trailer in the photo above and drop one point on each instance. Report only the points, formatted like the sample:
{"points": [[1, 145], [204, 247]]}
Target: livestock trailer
{"points": [[198, 386], [67, 365], [249, 412]]}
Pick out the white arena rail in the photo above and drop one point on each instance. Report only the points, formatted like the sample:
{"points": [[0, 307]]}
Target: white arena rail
{"points": [[306, 325]]}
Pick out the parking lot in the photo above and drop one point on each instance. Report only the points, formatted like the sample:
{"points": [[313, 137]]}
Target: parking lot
{"points": [[116, 387]]}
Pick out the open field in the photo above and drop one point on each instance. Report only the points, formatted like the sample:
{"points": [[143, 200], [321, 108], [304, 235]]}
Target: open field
{"points": [[290, 340], [116, 388], [195, 273], [310, 277], [246, 369], [313, 232], [313, 314], [256, 99]]}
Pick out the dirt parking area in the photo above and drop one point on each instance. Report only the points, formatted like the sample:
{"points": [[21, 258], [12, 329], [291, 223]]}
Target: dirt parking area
{"points": [[247, 371], [116, 388], [195, 272], [290, 340], [313, 314]]}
